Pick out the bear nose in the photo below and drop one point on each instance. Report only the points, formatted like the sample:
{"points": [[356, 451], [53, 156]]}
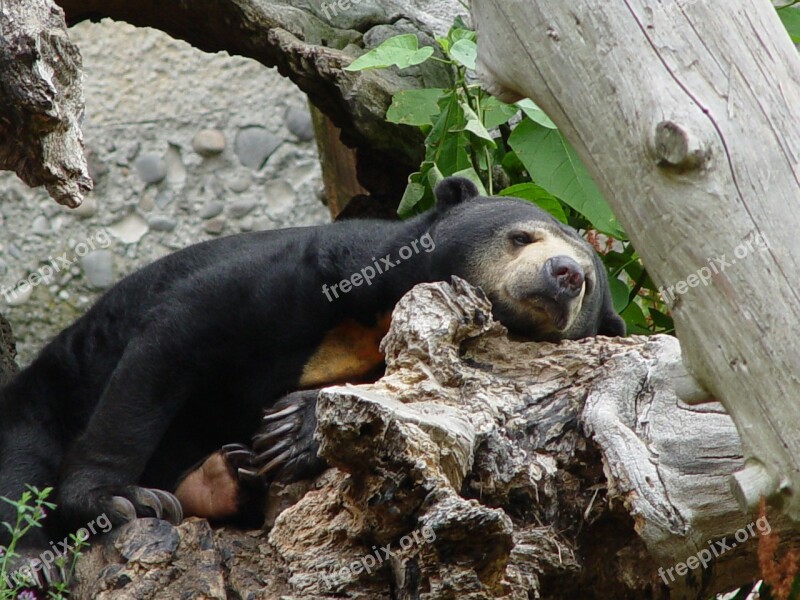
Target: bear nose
{"points": [[566, 274]]}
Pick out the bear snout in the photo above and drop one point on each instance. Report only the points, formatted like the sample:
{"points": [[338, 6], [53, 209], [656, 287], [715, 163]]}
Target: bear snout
{"points": [[565, 275]]}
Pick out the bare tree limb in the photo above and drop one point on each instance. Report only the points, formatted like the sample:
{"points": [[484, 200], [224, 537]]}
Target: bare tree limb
{"points": [[41, 100]]}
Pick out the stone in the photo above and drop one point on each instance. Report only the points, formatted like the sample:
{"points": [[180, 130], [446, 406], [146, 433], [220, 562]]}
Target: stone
{"points": [[211, 209], [298, 121], [41, 226], [240, 183], [88, 208], [151, 168], [98, 266], [215, 225], [161, 223], [241, 208], [254, 145], [209, 142], [164, 198], [176, 170], [129, 229], [279, 195]]}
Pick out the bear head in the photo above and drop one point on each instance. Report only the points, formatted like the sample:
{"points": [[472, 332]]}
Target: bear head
{"points": [[544, 280]]}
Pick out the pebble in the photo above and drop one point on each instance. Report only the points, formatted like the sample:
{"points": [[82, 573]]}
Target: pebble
{"points": [[151, 168], [161, 223], [129, 229], [211, 209], [41, 226], [215, 225], [98, 266], [254, 145], [241, 208], [176, 171], [88, 208], [241, 183], [209, 142], [164, 198], [246, 224], [298, 121], [279, 196], [14, 251]]}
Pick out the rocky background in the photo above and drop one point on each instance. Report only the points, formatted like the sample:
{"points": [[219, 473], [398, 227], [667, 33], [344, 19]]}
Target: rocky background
{"points": [[183, 146]]}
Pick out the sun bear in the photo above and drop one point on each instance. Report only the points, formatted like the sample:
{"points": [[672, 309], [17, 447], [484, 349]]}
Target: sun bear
{"points": [[182, 357]]}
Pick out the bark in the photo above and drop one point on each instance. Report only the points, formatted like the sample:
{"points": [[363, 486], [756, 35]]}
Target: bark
{"points": [[41, 101], [688, 123], [524, 470], [310, 42], [8, 352]]}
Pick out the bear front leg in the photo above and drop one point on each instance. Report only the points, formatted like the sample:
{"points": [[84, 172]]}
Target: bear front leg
{"points": [[284, 447], [104, 464]]}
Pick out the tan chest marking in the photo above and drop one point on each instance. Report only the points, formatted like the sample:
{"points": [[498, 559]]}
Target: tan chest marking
{"points": [[348, 352]]}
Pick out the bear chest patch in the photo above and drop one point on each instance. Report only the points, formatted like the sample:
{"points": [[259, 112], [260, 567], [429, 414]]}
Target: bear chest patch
{"points": [[347, 353]]}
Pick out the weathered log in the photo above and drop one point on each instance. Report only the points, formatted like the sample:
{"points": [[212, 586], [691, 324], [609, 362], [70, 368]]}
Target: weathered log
{"points": [[479, 467], [688, 123], [41, 100]]}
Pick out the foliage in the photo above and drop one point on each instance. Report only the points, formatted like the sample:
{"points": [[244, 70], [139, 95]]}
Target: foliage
{"points": [[508, 150], [31, 511], [515, 150]]}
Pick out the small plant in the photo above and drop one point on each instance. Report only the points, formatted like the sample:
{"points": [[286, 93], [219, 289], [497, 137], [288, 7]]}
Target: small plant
{"points": [[31, 510]]}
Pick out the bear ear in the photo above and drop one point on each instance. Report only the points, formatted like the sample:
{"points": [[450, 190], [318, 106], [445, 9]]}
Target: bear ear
{"points": [[451, 191]]}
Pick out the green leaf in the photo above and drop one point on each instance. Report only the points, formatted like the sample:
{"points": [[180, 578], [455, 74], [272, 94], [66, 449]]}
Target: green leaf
{"points": [[661, 320], [619, 293], [414, 107], [496, 113], [536, 114], [634, 320], [472, 175], [453, 156], [538, 196], [791, 20], [459, 33], [411, 197], [401, 51], [464, 52], [474, 124], [552, 163]]}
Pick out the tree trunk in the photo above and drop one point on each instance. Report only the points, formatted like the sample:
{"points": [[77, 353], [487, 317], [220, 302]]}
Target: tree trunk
{"points": [[41, 100], [688, 123], [489, 469]]}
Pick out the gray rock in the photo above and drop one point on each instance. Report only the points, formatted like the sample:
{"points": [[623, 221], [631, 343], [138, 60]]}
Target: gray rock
{"points": [[151, 168], [161, 223], [164, 198], [132, 152], [209, 142], [176, 170], [98, 266], [246, 224], [241, 183], [14, 251], [240, 208], [298, 121], [41, 226], [211, 209], [254, 145], [87, 209], [215, 225]]}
